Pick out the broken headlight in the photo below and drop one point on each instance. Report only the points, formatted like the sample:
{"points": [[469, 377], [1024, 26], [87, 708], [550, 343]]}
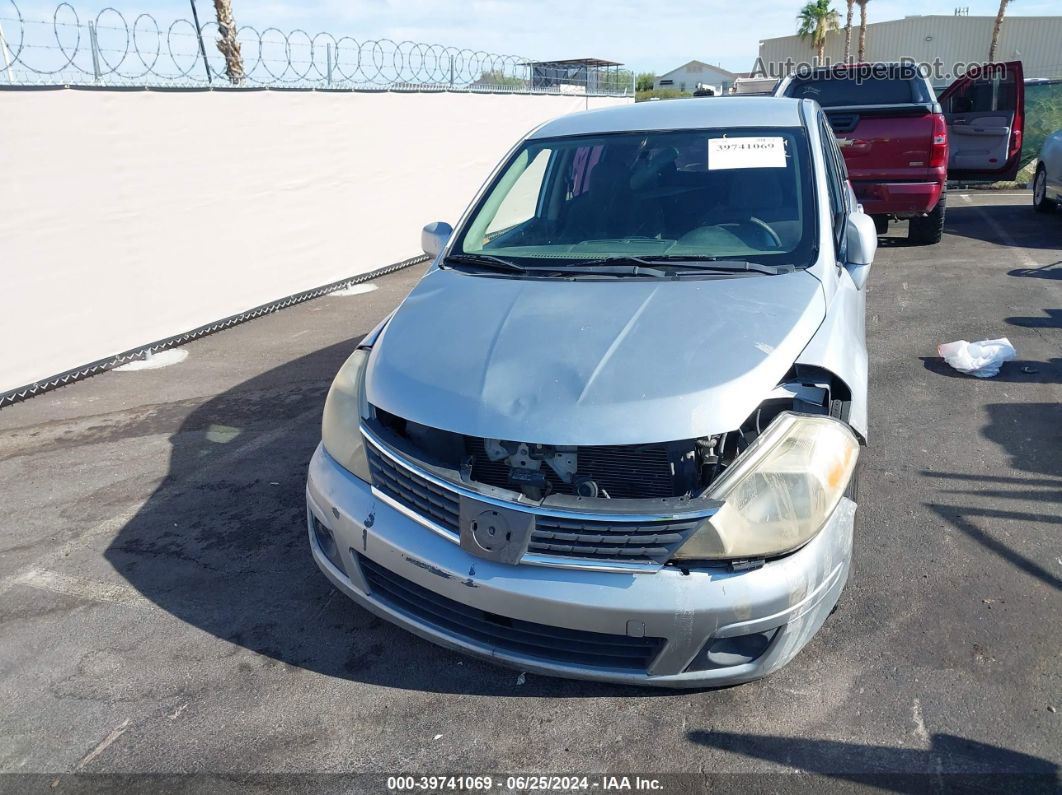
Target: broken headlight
{"points": [[344, 409], [780, 492]]}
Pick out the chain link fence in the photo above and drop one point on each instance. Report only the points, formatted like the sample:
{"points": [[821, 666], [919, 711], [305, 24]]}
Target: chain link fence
{"points": [[1043, 115], [112, 49]]}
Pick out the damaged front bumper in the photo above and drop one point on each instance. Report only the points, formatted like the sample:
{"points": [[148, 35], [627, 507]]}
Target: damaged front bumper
{"points": [[704, 627]]}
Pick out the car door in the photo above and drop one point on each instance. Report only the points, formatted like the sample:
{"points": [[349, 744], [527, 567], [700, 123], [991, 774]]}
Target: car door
{"points": [[985, 114]]}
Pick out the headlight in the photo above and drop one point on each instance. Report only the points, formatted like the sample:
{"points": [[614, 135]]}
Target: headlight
{"points": [[780, 492], [344, 408]]}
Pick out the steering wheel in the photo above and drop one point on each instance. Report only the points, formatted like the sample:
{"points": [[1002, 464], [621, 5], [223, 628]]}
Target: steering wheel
{"points": [[733, 219], [775, 240]]}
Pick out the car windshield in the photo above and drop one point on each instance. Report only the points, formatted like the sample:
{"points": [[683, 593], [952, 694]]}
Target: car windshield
{"points": [[726, 194]]}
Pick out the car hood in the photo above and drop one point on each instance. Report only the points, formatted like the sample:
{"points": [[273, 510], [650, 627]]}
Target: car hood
{"points": [[619, 361]]}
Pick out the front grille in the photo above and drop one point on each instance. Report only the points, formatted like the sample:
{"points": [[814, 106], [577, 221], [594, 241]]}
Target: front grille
{"points": [[556, 536], [653, 542], [625, 472], [435, 503], [550, 644]]}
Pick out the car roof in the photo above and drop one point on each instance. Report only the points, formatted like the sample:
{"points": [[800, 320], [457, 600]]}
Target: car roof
{"points": [[678, 114]]}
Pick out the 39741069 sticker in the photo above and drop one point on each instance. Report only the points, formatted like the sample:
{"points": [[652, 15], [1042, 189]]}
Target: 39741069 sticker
{"points": [[746, 152]]}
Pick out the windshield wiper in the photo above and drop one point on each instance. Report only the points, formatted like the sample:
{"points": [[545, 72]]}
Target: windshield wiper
{"points": [[622, 265], [608, 267], [701, 261], [691, 262], [486, 261]]}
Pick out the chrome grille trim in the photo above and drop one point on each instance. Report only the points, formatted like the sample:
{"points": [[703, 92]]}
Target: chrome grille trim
{"points": [[443, 522]]}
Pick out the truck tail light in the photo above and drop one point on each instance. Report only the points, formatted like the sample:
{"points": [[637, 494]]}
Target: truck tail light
{"points": [[938, 151], [1015, 144]]}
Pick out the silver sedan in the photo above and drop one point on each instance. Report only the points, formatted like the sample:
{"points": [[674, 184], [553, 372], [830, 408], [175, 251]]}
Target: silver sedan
{"points": [[613, 432], [1047, 183]]}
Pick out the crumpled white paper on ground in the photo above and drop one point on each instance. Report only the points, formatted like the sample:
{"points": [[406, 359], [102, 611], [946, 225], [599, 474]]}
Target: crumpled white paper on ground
{"points": [[982, 359]]}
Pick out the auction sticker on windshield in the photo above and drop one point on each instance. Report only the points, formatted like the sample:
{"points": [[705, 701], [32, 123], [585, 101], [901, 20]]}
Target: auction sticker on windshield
{"points": [[762, 152]]}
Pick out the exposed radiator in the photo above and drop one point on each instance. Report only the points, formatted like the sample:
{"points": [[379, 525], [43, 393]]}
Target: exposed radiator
{"points": [[624, 471]]}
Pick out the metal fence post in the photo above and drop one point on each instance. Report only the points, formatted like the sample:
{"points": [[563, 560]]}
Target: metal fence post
{"points": [[328, 62], [8, 58], [199, 35], [94, 45], [451, 72]]}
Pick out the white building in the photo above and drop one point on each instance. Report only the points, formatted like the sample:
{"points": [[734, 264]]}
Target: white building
{"points": [[1035, 41], [690, 76]]}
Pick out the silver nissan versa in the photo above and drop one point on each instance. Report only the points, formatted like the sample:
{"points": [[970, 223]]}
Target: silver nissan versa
{"points": [[613, 431]]}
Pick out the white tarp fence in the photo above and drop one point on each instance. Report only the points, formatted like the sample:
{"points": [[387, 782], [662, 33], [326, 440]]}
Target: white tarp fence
{"points": [[128, 217]]}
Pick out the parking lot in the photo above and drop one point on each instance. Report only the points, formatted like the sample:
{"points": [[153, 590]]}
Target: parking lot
{"points": [[160, 611]]}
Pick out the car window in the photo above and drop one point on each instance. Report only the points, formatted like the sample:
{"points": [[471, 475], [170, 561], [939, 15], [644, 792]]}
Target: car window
{"points": [[728, 193], [521, 201], [849, 87], [839, 163], [836, 176], [991, 92]]}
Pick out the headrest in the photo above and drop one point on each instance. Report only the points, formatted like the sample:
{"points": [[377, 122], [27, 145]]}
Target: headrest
{"points": [[648, 170]]}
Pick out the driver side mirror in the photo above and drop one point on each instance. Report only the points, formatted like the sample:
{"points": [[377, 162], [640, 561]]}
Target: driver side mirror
{"points": [[434, 236], [861, 237]]}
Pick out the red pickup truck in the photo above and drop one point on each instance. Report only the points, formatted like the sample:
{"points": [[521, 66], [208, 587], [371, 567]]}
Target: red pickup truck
{"points": [[902, 144]]}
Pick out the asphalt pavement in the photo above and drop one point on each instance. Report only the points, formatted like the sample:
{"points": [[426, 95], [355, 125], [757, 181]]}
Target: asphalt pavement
{"points": [[160, 612]]}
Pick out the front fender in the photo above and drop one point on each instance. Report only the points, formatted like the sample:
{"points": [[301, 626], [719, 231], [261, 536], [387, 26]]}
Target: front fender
{"points": [[839, 346]]}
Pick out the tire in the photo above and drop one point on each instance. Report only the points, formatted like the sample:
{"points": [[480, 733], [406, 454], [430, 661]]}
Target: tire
{"points": [[1040, 200], [881, 223], [925, 230]]}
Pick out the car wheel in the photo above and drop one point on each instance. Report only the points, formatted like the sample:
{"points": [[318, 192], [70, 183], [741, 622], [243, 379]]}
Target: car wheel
{"points": [[926, 230], [1040, 200], [881, 223]]}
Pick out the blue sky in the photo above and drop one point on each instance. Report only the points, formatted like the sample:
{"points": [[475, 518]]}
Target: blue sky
{"points": [[650, 36]]}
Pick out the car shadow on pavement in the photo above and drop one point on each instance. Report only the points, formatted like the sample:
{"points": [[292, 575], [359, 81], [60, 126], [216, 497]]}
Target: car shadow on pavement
{"points": [[1031, 436], [1051, 271], [1052, 318], [968, 220], [1029, 433], [949, 764], [960, 519], [222, 545]]}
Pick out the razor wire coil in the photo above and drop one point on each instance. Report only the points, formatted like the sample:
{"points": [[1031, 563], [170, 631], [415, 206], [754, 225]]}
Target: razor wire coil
{"points": [[110, 50]]}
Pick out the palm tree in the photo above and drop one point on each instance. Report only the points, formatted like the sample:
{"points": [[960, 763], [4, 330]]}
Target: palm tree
{"points": [[996, 28], [862, 30], [227, 43], [816, 20], [848, 32]]}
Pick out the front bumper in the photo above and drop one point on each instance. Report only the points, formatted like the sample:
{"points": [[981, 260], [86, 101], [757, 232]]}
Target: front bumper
{"points": [[793, 594]]}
